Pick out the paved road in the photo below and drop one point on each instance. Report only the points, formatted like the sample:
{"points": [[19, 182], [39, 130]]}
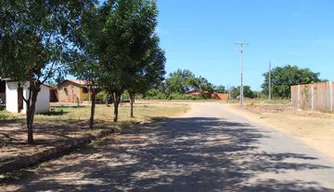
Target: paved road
{"points": [[210, 149]]}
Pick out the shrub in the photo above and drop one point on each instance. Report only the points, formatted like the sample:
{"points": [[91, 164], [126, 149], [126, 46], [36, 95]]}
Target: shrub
{"points": [[155, 94], [101, 96]]}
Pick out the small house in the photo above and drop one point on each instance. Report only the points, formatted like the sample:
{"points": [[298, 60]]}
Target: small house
{"points": [[15, 94], [72, 91]]}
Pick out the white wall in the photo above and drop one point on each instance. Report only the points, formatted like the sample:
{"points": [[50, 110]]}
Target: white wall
{"points": [[11, 97], [43, 98]]}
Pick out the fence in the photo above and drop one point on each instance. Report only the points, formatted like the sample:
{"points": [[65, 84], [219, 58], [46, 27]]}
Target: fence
{"points": [[317, 96]]}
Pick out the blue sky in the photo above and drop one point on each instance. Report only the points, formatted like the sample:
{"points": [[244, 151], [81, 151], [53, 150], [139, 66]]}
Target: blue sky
{"points": [[200, 36]]}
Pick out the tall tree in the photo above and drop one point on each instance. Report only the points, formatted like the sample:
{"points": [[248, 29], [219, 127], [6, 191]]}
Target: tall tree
{"points": [[85, 55], [150, 73], [284, 77], [181, 81], [34, 36], [235, 92], [220, 89], [127, 35]]}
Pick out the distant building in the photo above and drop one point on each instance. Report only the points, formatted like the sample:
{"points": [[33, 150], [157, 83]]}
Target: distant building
{"points": [[14, 98], [218, 96], [72, 91]]}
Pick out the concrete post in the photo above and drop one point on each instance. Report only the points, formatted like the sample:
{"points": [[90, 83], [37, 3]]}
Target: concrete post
{"points": [[298, 101], [312, 87]]}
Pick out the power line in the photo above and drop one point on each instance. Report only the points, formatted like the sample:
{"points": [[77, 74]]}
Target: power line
{"points": [[242, 45]]}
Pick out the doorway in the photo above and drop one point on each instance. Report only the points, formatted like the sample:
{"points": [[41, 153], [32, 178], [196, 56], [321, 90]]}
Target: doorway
{"points": [[20, 99]]}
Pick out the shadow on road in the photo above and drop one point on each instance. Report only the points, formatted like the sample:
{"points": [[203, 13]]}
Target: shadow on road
{"points": [[182, 154]]}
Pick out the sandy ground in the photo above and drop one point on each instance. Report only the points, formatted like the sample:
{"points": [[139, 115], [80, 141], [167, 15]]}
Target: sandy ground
{"points": [[56, 128], [311, 127], [208, 149]]}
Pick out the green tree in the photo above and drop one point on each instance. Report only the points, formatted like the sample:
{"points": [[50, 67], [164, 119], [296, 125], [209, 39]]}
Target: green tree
{"points": [[127, 36], [34, 37], [284, 77], [181, 81], [150, 73], [205, 85], [220, 89], [235, 92], [85, 55]]}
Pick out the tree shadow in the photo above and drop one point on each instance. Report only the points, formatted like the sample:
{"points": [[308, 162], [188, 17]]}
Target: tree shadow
{"points": [[181, 154], [68, 106], [13, 137]]}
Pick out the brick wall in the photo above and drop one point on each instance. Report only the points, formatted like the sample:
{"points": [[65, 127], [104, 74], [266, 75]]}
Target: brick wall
{"points": [[68, 92]]}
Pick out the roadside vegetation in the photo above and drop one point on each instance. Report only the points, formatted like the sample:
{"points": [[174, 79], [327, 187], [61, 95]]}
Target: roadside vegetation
{"points": [[179, 83], [65, 122], [112, 45]]}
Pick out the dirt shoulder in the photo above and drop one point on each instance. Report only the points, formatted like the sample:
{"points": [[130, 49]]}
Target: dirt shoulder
{"points": [[314, 128]]}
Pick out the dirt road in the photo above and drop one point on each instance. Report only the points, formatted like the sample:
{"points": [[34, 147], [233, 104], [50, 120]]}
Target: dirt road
{"points": [[209, 149]]}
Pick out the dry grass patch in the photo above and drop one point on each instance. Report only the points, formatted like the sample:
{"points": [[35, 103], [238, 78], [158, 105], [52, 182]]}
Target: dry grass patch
{"points": [[65, 122]]}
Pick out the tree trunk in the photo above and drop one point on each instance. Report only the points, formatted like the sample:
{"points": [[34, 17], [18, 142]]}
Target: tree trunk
{"points": [[31, 112], [132, 101], [117, 100], [107, 100], [92, 110]]}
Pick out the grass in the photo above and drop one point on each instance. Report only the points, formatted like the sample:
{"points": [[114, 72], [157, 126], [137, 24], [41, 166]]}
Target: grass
{"points": [[66, 122], [274, 101], [143, 112]]}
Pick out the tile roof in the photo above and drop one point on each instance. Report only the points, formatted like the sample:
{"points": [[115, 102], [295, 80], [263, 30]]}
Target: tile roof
{"points": [[79, 82]]}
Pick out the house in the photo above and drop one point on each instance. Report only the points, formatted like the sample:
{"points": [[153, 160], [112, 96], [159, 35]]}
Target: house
{"points": [[15, 94], [72, 91]]}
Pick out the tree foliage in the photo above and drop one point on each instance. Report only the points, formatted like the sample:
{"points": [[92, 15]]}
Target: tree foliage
{"points": [[128, 36], [220, 89], [284, 77], [34, 39], [182, 81], [235, 92], [84, 56], [149, 73]]}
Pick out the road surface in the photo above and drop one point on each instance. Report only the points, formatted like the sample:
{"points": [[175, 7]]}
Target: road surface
{"points": [[209, 149]]}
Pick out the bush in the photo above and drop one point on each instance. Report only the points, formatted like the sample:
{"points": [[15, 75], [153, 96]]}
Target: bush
{"points": [[155, 94], [101, 96], [177, 96], [125, 96]]}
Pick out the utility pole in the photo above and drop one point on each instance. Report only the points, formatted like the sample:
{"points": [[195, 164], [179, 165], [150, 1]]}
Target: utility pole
{"points": [[269, 80], [241, 70]]}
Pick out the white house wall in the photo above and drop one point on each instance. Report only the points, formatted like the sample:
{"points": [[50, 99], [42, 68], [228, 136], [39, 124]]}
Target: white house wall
{"points": [[11, 97], [43, 100], [42, 104]]}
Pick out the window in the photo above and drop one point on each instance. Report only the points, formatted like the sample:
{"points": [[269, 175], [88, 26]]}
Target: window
{"points": [[84, 90]]}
